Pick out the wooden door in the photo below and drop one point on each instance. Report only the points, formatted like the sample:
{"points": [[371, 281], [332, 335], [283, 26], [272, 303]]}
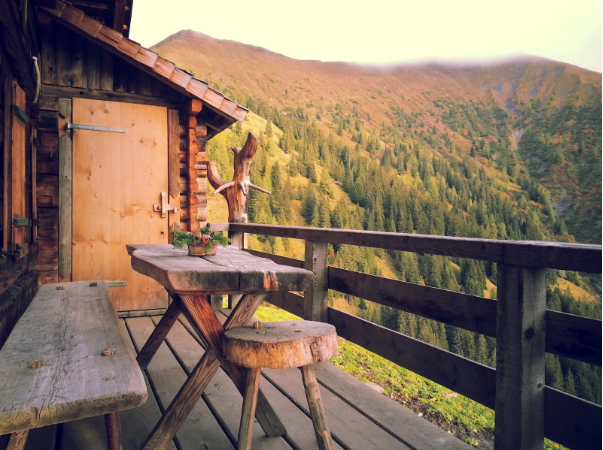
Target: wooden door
{"points": [[117, 177]]}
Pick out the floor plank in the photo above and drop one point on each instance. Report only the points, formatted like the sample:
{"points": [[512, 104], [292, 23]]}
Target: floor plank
{"points": [[395, 418], [200, 428], [221, 394], [136, 424], [358, 416], [300, 432]]}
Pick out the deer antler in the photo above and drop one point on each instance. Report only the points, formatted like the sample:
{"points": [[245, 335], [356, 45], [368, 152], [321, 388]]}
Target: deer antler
{"points": [[235, 191]]}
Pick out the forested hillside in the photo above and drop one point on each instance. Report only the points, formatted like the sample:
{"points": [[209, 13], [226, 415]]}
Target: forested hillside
{"points": [[509, 151]]}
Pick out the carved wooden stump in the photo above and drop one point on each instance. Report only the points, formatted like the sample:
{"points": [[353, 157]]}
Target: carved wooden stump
{"points": [[282, 345]]}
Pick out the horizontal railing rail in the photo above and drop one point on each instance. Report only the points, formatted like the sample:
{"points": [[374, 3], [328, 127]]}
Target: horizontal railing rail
{"points": [[552, 255], [519, 320], [567, 335]]}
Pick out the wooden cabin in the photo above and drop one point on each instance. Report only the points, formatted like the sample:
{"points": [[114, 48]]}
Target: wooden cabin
{"points": [[73, 197], [103, 145]]}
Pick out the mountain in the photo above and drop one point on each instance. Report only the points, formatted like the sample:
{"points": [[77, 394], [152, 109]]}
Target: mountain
{"points": [[503, 151], [550, 112]]}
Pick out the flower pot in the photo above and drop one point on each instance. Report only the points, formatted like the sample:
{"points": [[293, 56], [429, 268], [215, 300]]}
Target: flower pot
{"points": [[200, 250]]}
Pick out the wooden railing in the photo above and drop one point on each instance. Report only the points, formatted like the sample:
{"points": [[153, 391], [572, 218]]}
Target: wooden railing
{"points": [[526, 411]]}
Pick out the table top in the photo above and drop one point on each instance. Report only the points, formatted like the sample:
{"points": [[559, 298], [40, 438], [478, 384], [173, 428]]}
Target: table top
{"points": [[231, 270]]}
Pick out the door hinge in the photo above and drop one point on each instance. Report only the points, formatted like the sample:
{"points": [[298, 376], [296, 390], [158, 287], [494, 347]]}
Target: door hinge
{"points": [[21, 222], [79, 126], [22, 114], [164, 207]]}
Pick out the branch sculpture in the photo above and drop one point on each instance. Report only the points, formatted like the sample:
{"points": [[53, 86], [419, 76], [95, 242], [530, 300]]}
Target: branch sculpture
{"points": [[236, 191]]}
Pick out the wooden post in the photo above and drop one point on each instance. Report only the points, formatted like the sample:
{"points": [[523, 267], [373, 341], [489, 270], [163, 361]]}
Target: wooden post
{"points": [[65, 191], [316, 296], [520, 350]]}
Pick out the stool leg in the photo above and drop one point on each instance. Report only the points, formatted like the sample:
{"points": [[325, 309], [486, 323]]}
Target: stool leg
{"points": [[17, 440], [113, 431], [319, 419], [252, 385]]}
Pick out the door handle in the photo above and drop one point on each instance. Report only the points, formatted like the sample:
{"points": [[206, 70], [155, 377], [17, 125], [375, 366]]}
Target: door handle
{"points": [[164, 207]]}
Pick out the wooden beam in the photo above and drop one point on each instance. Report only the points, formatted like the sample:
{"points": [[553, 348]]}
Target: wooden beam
{"points": [[459, 374], [567, 335], [470, 312], [15, 50], [520, 350], [111, 96], [118, 15], [65, 193], [571, 421], [316, 295], [554, 255], [173, 169]]}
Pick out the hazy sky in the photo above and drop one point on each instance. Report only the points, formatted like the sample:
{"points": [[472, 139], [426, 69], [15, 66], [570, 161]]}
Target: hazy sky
{"points": [[380, 31]]}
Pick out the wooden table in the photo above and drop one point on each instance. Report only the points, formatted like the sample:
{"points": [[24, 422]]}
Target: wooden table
{"points": [[189, 281]]}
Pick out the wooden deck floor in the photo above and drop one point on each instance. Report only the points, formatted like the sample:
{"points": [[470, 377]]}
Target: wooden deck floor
{"points": [[359, 417]]}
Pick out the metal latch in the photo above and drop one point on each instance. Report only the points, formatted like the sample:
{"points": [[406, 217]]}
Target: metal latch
{"points": [[21, 222], [164, 207], [78, 126]]}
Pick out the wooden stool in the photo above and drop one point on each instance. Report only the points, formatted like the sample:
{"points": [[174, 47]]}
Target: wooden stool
{"points": [[282, 345]]}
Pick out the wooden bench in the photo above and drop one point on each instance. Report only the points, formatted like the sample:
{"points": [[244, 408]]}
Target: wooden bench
{"points": [[66, 360]]}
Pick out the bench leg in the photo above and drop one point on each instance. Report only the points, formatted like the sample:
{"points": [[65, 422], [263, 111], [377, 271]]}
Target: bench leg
{"points": [[158, 335], [113, 426], [17, 440], [319, 418], [250, 399]]}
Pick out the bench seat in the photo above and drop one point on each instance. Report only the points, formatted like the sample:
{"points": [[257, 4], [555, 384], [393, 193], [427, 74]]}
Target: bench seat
{"points": [[67, 326]]}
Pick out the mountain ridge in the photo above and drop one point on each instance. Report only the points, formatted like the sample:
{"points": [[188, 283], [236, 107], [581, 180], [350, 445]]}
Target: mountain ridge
{"points": [[528, 106]]}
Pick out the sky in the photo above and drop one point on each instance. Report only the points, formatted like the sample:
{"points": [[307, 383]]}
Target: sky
{"points": [[388, 31]]}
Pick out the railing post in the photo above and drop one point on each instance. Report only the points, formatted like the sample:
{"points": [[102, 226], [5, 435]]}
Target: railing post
{"points": [[316, 296], [238, 241], [520, 350]]}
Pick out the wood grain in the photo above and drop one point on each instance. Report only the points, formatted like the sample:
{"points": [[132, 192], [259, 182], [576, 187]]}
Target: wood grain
{"points": [[566, 334], [555, 255], [252, 385], [18, 183], [316, 296], [319, 418], [168, 377], [65, 193], [67, 329], [571, 421], [230, 271], [158, 336], [459, 374], [520, 350], [281, 345], [112, 203]]}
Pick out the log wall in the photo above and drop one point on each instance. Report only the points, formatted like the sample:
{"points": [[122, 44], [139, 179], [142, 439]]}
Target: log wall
{"points": [[18, 282]]}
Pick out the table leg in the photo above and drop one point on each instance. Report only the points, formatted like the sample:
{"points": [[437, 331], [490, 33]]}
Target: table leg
{"points": [[204, 321], [17, 440], [183, 403], [158, 335]]}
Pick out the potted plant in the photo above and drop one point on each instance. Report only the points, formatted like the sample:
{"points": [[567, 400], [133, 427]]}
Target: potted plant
{"points": [[200, 243]]}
